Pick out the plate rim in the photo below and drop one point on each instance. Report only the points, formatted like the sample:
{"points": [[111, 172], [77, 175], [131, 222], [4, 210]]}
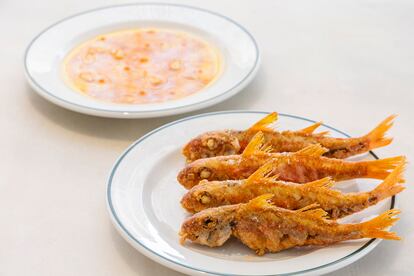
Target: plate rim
{"points": [[146, 113], [365, 248]]}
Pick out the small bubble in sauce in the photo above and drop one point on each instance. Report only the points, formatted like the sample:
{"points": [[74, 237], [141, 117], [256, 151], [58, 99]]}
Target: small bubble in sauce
{"points": [[89, 58], [126, 68], [86, 76], [128, 99], [144, 60], [164, 46], [189, 77], [155, 80], [101, 81], [118, 54], [175, 65], [142, 93], [96, 50]]}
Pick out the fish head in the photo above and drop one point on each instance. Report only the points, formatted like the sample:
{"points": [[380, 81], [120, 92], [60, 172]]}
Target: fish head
{"points": [[214, 168], [211, 144], [207, 194], [211, 227]]}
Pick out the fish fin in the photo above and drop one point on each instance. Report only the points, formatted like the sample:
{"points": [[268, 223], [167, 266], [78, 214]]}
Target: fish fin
{"points": [[263, 173], [322, 133], [310, 129], [374, 228], [326, 182], [391, 185], [257, 145], [263, 124], [313, 210], [376, 138], [308, 207], [380, 169], [313, 150], [261, 201]]}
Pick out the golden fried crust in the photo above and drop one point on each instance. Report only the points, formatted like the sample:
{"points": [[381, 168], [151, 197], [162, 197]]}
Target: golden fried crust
{"points": [[216, 143], [266, 228], [219, 168], [302, 169], [229, 142], [272, 231], [289, 166], [212, 194], [292, 141], [210, 144], [286, 195]]}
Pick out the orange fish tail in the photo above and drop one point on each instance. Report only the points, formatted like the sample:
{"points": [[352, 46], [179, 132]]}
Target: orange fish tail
{"points": [[376, 138], [381, 168], [392, 185], [374, 228]]}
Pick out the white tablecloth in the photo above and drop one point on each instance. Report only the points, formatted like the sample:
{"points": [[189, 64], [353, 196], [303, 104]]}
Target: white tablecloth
{"points": [[349, 63]]}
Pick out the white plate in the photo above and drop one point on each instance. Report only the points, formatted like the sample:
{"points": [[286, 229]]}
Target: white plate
{"points": [[45, 53], [143, 201]]}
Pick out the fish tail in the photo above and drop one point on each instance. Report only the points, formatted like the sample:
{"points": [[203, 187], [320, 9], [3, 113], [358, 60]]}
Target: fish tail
{"points": [[391, 185], [380, 169], [374, 228], [376, 138]]}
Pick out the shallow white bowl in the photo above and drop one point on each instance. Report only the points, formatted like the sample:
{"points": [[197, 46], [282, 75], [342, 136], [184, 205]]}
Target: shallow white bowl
{"points": [[44, 55], [143, 198]]}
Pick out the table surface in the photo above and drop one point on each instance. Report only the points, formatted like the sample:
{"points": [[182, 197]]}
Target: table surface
{"points": [[349, 63]]}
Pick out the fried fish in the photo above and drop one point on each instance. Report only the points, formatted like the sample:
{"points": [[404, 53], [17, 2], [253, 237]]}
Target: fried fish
{"points": [[302, 166], [264, 227], [230, 142], [290, 195]]}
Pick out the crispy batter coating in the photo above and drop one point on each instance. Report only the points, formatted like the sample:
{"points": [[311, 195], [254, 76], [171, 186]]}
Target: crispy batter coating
{"points": [[229, 142], [302, 166], [266, 228], [289, 195]]}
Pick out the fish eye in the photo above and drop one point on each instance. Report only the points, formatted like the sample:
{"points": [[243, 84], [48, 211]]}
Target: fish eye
{"points": [[211, 143], [204, 198], [205, 173], [209, 222]]}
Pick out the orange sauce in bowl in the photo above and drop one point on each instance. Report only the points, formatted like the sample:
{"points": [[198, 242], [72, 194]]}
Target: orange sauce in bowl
{"points": [[141, 66]]}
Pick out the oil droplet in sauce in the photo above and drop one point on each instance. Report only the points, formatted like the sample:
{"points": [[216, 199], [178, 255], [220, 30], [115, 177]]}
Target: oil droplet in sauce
{"points": [[142, 66]]}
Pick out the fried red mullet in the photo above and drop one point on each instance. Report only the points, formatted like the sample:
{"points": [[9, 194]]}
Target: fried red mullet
{"points": [[264, 227], [290, 195], [302, 166], [230, 142]]}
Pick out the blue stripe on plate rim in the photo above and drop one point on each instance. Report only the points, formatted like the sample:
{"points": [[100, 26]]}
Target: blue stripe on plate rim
{"points": [[128, 234]]}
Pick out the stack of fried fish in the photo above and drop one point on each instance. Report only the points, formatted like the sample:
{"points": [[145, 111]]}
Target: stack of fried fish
{"points": [[274, 190]]}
